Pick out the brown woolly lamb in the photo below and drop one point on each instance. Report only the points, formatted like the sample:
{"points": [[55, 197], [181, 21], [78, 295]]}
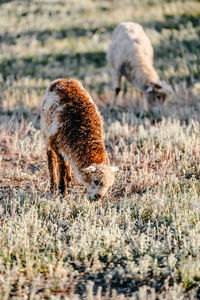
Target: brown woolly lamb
{"points": [[72, 129], [131, 55]]}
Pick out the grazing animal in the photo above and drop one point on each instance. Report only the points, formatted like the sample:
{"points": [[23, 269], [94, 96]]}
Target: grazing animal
{"points": [[131, 55], [72, 129]]}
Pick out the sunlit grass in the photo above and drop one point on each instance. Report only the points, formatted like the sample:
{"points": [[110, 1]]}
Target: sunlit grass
{"points": [[70, 39], [148, 223], [142, 241]]}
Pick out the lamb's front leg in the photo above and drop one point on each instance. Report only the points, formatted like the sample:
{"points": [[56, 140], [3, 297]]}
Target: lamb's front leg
{"points": [[68, 175], [65, 177], [117, 89], [52, 165]]}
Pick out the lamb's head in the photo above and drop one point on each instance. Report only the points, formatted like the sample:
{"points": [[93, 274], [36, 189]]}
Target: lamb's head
{"points": [[157, 93], [97, 178]]}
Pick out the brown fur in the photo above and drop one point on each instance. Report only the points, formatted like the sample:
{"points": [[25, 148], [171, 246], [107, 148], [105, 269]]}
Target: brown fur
{"points": [[72, 128]]}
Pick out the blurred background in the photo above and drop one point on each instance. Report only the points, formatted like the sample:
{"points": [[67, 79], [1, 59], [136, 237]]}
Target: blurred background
{"points": [[44, 40]]}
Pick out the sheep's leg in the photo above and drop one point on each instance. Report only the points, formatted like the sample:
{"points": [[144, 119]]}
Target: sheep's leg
{"points": [[117, 87], [65, 177], [52, 165], [68, 176]]}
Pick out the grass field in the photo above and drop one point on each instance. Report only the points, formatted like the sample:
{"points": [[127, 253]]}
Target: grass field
{"points": [[142, 241]]}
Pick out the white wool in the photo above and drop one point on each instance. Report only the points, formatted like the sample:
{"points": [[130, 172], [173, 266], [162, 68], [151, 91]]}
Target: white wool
{"points": [[91, 100], [131, 54], [49, 99], [53, 127], [131, 45]]}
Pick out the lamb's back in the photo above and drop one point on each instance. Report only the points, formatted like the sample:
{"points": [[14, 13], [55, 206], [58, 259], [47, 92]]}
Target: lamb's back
{"points": [[129, 43], [74, 121]]}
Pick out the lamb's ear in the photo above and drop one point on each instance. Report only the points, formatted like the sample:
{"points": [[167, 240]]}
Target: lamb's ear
{"points": [[114, 169], [91, 168], [157, 86], [148, 88]]}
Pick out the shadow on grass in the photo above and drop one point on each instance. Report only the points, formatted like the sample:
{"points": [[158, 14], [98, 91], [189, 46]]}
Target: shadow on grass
{"points": [[5, 1], [126, 286], [47, 66], [175, 22], [174, 52], [63, 65], [176, 48], [50, 66], [63, 33], [173, 48]]}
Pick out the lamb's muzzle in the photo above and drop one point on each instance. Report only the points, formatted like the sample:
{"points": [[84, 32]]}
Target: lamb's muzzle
{"points": [[72, 130]]}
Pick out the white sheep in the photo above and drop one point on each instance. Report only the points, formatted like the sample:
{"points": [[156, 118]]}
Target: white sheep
{"points": [[131, 55]]}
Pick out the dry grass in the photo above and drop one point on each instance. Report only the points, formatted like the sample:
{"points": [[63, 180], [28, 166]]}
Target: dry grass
{"points": [[142, 241], [143, 238]]}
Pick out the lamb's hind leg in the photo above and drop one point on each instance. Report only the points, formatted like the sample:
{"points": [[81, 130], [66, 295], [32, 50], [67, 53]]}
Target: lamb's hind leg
{"points": [[65, 177], [117, 89], [68, 175], [52, 165]]}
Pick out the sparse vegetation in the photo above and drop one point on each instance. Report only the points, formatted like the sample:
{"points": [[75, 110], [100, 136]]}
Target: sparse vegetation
{"points": [[142, 241]]}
